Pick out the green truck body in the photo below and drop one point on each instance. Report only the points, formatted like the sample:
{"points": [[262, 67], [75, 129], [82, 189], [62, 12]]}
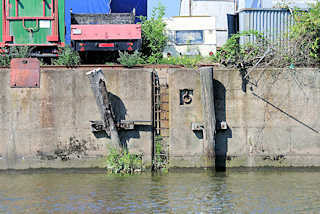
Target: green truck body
{"points": [[32, 23]]}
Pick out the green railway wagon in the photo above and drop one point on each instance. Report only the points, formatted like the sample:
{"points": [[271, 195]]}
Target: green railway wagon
{"points": [[36, 23]]}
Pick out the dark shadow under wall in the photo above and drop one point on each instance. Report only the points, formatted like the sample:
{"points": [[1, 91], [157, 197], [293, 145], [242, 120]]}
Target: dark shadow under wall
{"points": [[221, 137]]}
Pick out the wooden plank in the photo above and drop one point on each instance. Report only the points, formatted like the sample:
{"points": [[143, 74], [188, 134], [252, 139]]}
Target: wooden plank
{"points": [[99, 88], [207, 98]]}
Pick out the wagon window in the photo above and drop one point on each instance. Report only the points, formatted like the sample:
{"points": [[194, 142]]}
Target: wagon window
{"points": [[189, 37]]}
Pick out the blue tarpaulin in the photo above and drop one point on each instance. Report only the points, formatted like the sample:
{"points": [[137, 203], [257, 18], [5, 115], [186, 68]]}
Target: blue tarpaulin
{"points": [[126, 6], [84, 7], [253, 4]]}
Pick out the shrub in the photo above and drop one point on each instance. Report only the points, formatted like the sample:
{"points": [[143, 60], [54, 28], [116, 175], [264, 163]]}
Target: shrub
{"points": [[305, 33], [130, 59], [67, 57], [154, 38], [161, 160], [20, 52], [5, 59], [123, 162], [187, 61], [14, 52], [235, 54]]}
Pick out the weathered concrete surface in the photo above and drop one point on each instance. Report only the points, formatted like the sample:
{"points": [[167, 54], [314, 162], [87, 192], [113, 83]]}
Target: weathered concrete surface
{"points": [[273, 120], [188, 148], [275, 123], [49, 127]]}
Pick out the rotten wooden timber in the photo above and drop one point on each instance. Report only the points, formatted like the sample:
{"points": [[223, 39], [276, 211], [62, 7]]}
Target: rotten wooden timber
{"points": [[207, 97], [99, 88]]}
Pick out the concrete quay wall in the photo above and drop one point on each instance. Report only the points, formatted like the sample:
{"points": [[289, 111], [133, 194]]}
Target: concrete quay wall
{"points": [[273, 118], [48, 127]]}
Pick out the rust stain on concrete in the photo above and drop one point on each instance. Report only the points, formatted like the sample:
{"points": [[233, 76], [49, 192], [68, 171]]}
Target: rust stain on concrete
{"points": [[47, 119]]}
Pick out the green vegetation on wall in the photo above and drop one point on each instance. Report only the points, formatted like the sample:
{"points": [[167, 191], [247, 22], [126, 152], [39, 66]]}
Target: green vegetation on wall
{"points": [[161, 158], [123, 162]]}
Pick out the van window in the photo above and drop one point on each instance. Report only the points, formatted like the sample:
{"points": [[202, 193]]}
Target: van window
{"points": [[189, 37]]}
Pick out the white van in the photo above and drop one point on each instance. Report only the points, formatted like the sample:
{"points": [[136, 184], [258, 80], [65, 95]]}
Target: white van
{"points": [[191, 36]]}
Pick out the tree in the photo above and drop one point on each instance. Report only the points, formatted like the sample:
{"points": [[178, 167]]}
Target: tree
{"points": [[154, 38]]}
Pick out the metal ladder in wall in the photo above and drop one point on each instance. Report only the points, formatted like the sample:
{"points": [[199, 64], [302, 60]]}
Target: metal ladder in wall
{"points": [[161, 119]]}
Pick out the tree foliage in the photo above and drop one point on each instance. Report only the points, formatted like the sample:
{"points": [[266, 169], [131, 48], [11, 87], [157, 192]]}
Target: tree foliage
{"points": [[306, 30], [154, 38], [247, 54]]}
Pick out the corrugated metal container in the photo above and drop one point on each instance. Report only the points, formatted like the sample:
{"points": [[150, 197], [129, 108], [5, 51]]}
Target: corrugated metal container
{"points": [[32, 23], [273, 23], [126, 6], [83, 7]]}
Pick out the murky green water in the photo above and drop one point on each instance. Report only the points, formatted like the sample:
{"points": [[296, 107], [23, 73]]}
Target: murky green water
{"points": [[237, 191]]}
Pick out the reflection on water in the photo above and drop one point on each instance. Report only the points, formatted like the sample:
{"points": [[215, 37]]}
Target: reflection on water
{"points": [[240, 191]]}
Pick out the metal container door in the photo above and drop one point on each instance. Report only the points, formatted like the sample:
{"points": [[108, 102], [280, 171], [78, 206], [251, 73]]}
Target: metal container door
{"points": [[30, 22]]}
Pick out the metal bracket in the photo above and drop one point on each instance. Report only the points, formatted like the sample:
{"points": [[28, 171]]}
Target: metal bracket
{"points": [[125, 124], [97, 126], [221, 125], [197, 126]]}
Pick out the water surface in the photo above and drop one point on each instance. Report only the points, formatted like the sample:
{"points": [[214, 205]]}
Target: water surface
{"points": [[236, 191]]}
